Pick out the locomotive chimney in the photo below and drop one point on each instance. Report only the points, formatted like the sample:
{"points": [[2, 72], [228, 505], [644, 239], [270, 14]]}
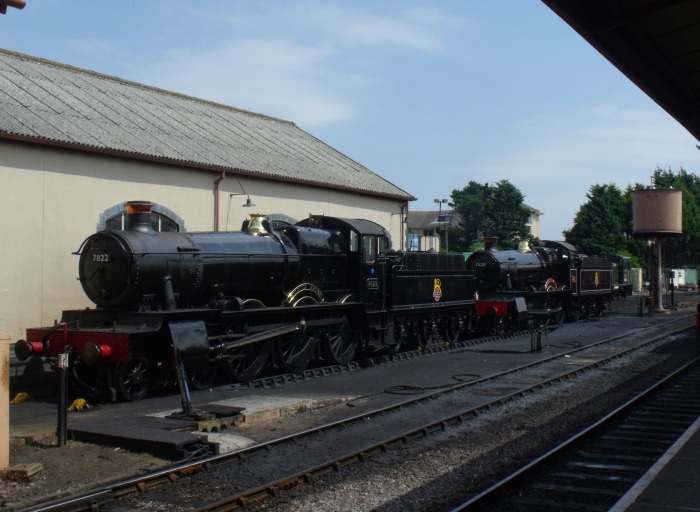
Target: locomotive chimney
{"points": [[138, 216], [490, 243]]}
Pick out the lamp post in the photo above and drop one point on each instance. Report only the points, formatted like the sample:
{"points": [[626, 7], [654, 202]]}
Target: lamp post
{"points": [[439, 203]]}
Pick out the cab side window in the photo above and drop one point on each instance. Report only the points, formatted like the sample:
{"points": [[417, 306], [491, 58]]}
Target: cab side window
{"points": [[369, 249], [354, 242], [382, 245]]}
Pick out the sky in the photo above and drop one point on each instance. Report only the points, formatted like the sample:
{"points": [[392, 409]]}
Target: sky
{"points": [[429, 95]]}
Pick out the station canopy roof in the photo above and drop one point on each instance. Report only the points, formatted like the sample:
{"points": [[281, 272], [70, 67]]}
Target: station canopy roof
{"points": [[655, 43]]}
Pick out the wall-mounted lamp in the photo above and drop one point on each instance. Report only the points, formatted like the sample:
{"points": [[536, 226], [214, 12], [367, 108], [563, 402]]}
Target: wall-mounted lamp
{"points": [[248, 203]]}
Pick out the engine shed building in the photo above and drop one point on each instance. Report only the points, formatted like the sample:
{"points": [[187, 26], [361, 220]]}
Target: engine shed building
{"points": [[76, 145]]}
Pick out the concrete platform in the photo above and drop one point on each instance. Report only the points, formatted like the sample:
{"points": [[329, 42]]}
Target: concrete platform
{"points": [[253, 409], [210, 427], [256, 408], [169, 438], [673, 483]]}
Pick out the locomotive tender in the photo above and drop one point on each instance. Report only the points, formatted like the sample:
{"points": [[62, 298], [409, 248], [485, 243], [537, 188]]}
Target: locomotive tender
{"points": [[283, 294]]}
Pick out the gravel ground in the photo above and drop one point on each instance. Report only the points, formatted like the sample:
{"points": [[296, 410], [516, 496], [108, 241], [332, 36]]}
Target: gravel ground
{"points": [[438, 473], [68, 469], [425, 475]]}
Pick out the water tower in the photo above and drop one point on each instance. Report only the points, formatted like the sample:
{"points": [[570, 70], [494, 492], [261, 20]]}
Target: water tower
{"points": [[657, 213]]}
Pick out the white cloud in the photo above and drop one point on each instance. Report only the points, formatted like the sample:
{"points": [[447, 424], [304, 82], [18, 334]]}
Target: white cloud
{"points": [[305, 63], [274, 77], [412, 29], [340, 23]]}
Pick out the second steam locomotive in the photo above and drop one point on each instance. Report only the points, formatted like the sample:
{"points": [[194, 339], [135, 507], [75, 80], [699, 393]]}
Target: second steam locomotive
{"points": [[283, 294]]}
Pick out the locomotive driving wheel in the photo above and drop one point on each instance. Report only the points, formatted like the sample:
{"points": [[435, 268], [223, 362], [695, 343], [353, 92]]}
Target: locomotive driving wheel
{"points": [[246, 363], [340, 342], [294, 352], [203, 377], [132, 378]]}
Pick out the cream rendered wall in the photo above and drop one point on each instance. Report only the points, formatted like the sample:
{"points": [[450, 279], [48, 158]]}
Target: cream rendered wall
{"points": [[299, 201], [22, 239], [51, 200]]}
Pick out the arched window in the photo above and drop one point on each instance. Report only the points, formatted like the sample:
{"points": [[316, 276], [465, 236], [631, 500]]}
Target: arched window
{"points": [[162, 219]]}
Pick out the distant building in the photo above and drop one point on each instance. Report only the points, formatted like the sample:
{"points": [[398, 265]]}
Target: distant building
{"points": [[534, 221], [426, 228]]}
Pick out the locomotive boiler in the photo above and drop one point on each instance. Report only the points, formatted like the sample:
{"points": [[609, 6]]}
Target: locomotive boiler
{"points": [[141, 269]]}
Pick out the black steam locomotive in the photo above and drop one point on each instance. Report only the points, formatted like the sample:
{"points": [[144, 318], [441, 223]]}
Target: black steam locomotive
{"points": [[550, 282], [282, 294]]}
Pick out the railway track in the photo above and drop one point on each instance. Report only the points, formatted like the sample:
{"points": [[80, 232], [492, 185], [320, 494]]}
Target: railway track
{"points": [[233, 480], [594, 468]]}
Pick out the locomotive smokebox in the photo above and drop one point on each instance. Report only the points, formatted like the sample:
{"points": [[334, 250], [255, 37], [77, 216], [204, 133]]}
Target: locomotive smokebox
{"points": [[657, 211], [135, 268]]}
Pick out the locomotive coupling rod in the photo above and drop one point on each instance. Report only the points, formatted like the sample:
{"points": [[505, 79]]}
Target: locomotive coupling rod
{"points": [[263, 336]]}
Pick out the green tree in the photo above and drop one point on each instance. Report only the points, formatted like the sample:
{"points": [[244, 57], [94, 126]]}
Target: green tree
{"points": [[509, 217], [683, 250], [495, 210], [599, 225], [469, 203], [604, 224]]}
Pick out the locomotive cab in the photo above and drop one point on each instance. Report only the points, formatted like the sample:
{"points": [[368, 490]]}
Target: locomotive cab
{"points": [[366, 242]]}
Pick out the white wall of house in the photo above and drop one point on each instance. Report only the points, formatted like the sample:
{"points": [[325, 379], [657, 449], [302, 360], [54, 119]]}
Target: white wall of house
{"points": [[534, 224], [51, 200]]}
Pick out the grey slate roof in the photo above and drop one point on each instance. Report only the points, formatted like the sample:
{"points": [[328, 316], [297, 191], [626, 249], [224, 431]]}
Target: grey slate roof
{"points": [[423, 219], [51, 103]]}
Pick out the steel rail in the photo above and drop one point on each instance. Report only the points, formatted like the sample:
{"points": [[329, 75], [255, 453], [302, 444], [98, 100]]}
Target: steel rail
{"points": [[272, 489], [491, 491], [92, 499]]}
